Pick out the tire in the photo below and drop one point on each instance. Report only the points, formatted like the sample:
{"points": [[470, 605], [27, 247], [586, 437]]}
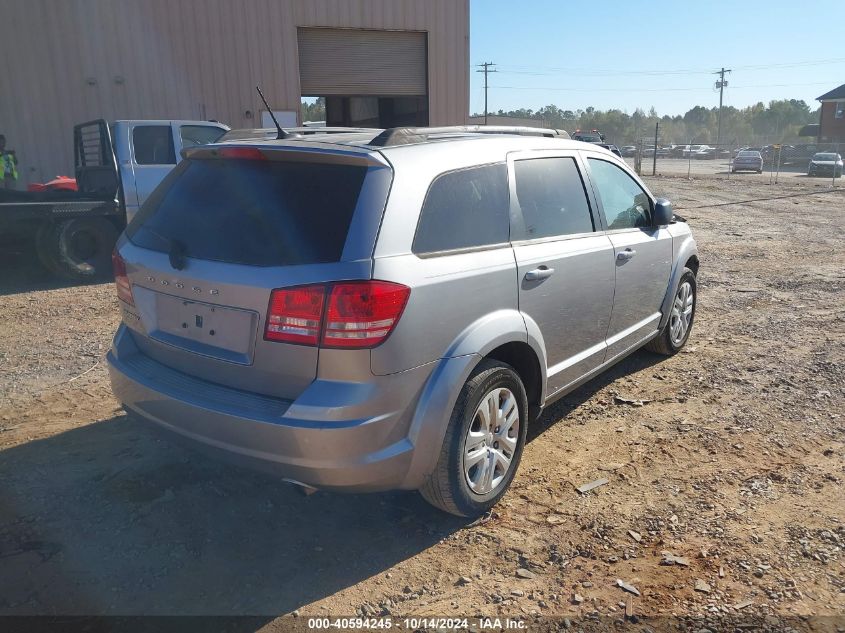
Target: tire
{"points": [[665, 342], [759, 171], [46, 247], [83, 248], [448, 487]]}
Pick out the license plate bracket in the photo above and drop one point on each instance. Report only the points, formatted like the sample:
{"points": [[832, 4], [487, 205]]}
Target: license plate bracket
{"points": [[212, 330]]}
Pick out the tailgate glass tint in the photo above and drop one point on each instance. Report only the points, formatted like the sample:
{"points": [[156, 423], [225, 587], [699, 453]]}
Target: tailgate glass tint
{"points": [[254, 212]]}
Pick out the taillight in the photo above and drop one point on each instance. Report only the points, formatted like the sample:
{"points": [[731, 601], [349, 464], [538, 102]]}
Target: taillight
{"points": [[363, 313], [357, 314], [295, 314], [242, 153], [121, 280]]}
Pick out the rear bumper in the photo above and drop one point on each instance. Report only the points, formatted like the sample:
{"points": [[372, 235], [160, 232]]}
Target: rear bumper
{"points": [[364, 446]]}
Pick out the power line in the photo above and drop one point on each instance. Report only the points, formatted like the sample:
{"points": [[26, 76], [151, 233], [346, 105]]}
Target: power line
{"points": [[486, 68], [628, 89], [549, 70]]}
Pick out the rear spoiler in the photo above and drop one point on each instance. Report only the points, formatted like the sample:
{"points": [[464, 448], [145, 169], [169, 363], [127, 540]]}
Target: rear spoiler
{"points": [[284, 153]]}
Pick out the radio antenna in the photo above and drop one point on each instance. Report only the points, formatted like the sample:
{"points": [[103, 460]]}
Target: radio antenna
{"points": [[282, 134]]}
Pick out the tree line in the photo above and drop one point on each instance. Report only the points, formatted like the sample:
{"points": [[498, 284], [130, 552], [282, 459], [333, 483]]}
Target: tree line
{"points": [[314, 111], [776, 122], [759, 124]]}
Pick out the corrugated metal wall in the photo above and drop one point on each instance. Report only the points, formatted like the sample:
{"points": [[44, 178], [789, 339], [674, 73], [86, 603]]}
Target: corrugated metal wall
{"points": [[350, 62], [68, 61]]}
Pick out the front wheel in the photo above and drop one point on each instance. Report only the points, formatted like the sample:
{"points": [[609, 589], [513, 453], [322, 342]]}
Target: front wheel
{"points": [[675, 333], [483, 443]]}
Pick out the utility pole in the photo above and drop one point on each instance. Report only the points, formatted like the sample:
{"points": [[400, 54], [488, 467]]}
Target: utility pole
{"points": [[721, 86], [654, 160], [486, 68]]}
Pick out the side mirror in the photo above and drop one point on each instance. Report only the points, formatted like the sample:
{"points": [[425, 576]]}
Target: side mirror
{"points": [[663, 213]]}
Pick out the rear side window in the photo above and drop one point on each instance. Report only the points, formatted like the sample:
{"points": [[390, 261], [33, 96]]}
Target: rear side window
{"points": [[551, 197], [254, 212], [153, 145], [465, 209]]}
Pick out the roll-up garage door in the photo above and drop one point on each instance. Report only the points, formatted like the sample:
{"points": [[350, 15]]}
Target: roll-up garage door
{"points": [[362, 62]]}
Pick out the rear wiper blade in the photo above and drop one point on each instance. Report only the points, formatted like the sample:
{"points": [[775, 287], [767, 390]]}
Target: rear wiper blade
{"points": [[176, 250]]}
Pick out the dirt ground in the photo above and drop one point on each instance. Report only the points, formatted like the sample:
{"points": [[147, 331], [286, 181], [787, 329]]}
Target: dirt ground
{"points": [[725, 460]]}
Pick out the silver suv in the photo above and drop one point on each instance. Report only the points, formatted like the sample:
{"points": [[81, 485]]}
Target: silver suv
{"points": [[363, 313]]}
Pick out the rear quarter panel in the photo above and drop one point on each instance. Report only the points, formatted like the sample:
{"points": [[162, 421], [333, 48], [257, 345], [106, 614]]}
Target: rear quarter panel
{"points": [[451, 293]]}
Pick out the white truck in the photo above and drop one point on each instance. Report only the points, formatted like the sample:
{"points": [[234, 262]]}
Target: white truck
{"points": [[117, 167]]}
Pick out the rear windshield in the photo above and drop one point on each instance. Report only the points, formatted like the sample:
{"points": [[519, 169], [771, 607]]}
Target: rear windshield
{"points": [[260, 213]]}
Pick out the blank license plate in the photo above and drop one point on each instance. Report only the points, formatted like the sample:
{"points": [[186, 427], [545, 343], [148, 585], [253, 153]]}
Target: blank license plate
{"points": [[212, 327]]}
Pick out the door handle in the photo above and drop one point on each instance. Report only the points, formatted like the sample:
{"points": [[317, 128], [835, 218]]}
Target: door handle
{"points": [[543, 272], [625, 255]]}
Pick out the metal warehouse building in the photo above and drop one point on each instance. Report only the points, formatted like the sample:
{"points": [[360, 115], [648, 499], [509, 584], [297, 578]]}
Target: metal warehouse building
{"points": [[377, 62]]}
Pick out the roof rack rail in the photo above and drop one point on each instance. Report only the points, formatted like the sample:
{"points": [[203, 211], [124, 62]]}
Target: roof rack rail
{"points": [[406, 135]]}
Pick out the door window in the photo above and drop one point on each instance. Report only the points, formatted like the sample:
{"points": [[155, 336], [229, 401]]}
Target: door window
{"points": [[625, 203], [193, 135], [551, 197], [153, 145], [465, 209]]}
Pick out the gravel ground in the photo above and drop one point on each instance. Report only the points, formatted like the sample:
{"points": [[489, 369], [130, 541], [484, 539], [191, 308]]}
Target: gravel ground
{"points": [[724, 465]]}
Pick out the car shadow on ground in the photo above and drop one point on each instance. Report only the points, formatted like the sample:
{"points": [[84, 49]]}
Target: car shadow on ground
{"points": [[558, 410], [20, 271], [115, 518]]}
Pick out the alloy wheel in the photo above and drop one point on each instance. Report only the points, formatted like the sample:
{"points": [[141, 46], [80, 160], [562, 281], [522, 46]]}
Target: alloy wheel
{"points": [[682, 311], [491, 441]]}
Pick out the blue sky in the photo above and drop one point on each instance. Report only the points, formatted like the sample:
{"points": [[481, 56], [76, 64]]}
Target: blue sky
{"points": [[628, 54]]}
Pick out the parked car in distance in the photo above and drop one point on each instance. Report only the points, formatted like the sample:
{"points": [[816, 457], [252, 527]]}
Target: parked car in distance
{"points": [[593, 136], [825, 164], [628, 150], [611, 147], [800, 154], [712, 153], [391, 309], [747, 160], [690, 150]]}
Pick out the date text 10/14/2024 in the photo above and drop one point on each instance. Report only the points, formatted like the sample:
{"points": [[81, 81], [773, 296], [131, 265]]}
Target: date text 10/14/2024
{"points": [[416, 623]]}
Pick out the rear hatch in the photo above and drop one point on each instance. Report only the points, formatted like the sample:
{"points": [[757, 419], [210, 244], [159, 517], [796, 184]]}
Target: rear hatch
{"points": [[225, 228]]}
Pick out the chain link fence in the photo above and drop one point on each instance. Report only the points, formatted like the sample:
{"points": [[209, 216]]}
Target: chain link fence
{"points": [[774, 161]]}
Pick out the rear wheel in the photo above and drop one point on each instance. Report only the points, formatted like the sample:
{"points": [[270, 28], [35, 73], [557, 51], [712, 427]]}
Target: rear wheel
{"points": [[83, 248], [483, 443], [675, 333], [47, 248]]}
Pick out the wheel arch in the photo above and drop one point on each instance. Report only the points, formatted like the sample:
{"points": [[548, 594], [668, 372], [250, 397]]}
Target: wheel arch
{"points": [[685, 253], [522, 357], [504, 335]]}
